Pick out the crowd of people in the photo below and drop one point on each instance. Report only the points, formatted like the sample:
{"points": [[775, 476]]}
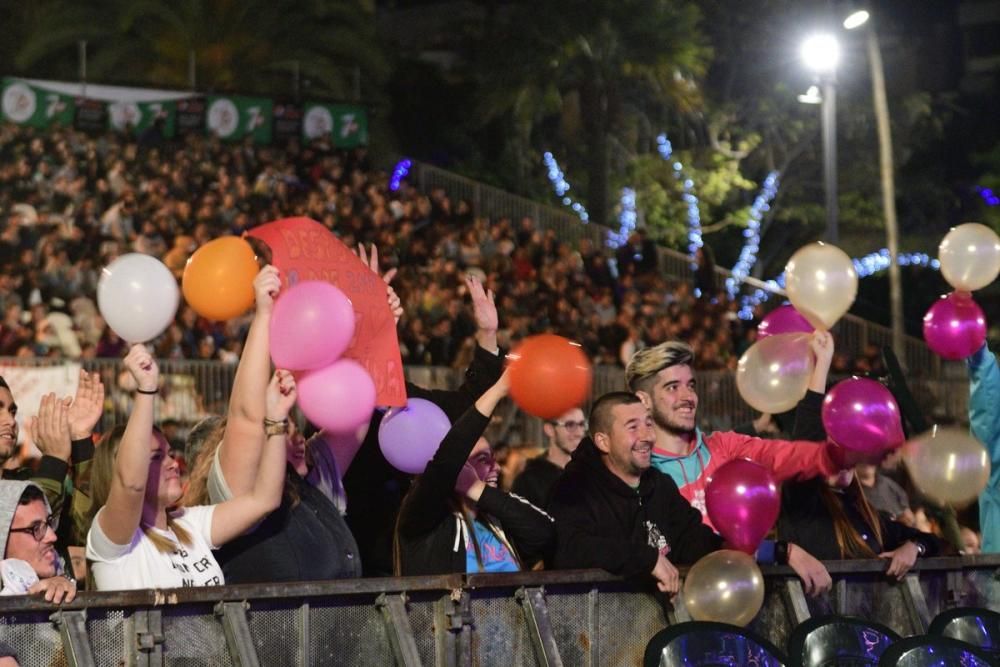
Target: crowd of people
{"points": [[621, 487], [70, 203]]}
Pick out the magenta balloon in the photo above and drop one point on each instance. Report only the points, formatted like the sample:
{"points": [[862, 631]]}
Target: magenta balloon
{"points": [[781, 320], [861, 415], [311, 326], [743, 503], [409, 436], [339, 398], [955, 326]]}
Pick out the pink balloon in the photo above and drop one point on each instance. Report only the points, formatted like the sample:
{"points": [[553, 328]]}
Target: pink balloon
{"points": [[781, 320], [743, 503], [955, 326], [311, 326], [339, 398], [410, 436], [861, 415]]}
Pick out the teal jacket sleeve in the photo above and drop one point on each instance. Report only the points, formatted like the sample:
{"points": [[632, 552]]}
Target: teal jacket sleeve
{"points": [[984, 401]]}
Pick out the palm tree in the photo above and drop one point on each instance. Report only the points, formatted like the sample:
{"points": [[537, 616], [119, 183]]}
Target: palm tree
{"points": [[246, 45], [601, 65]]}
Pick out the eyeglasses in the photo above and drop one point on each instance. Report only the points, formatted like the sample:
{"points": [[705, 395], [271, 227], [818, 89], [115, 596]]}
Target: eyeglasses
{"points": [[38, 529], [569, 426]]}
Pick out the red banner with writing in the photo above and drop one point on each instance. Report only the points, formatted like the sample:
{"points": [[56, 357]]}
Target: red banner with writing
{"points": [[303, 249]]}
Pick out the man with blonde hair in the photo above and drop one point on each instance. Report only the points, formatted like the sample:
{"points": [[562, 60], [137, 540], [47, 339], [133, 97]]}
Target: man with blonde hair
{"points": [[663, 379]]}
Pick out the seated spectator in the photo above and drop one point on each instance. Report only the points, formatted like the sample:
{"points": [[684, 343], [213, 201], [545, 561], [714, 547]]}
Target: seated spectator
{"points": [[616, 512], [455, 519], [28, 530], [541, 473], [137, 538]]}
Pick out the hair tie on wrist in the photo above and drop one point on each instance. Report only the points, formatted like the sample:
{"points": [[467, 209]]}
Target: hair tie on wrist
{"points": [[147, 391]]}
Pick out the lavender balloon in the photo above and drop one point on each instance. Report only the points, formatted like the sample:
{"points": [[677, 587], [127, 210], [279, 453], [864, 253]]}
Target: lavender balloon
{"points": [[781, 320], [861, 415], [743, 503], [955, 326], [409, 436]]}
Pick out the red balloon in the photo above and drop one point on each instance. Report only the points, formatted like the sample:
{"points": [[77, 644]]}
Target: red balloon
{"points": [[782, 320], [743, 503], [549, 375], [955, 326], [861, 415]]}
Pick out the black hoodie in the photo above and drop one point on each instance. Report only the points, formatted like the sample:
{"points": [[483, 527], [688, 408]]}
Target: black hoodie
{"points": [[602, 522]]}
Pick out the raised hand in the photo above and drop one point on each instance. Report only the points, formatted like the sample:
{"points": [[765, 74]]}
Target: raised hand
{"points": [[370, 258], [87, 406], [485, 311], [142, 367], [821, 344], [266, 286], [50, 430], [281, 395]]}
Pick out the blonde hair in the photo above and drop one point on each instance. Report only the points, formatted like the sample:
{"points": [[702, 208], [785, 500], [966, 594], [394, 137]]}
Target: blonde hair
{"points": [[645, 364], [102, 472]]}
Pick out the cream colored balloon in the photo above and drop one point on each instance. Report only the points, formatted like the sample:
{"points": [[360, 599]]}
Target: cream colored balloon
{"points": [[821, 283], [773, 375], [724, 586], [948, 465], [970, 256]]}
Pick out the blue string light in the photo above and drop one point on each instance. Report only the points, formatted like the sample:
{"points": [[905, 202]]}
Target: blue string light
{"points": [[627, 217], [399, 172], [988, 196], [866, 266], [561, 186], [695, 241], [748, 254]]}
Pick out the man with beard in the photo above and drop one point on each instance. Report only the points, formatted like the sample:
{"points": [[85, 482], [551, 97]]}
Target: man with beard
{"points": [[542, 472], [613, 511], [663, 379]]}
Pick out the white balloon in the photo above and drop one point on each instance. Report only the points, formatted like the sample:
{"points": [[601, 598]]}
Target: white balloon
{"points": [[138, 297], [970, 256], [821, 282]]}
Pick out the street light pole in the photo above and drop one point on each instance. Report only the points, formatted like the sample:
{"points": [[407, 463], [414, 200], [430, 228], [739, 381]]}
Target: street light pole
{"points": [[829, 128], [821, 52], [887, 174]]}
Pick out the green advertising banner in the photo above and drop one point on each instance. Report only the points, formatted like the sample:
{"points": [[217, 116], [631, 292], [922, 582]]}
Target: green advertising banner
{"points": [[346, 124], [25, 104], [233, 118], [141, 115]]}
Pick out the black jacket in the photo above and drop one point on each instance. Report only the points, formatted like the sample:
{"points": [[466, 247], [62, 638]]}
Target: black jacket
{"points": [[429, 533], [375, 489], [537, 481], [601, 522]]}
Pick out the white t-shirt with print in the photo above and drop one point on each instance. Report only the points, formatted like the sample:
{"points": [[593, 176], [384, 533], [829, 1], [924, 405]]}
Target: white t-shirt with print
{"points": [[141, 565]]}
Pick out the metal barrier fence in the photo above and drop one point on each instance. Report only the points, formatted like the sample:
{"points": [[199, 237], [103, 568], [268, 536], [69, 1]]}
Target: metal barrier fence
{"points": [[192, 390], [585, 618], [853, 333]]}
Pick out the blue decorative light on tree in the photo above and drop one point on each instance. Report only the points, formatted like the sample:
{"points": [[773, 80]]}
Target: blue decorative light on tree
{"points": [[627, 218], [988, 196], [866, 266], [399, 172], [561, 186], [748, 254], [666, 150]]}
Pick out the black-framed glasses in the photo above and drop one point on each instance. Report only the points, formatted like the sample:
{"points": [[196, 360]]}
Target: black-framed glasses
{"points": [[38, 529], [569, 426]]}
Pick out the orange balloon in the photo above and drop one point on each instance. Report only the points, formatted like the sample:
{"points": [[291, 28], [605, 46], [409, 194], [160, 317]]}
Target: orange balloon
{"points": [[218, 278], [549, 375]]}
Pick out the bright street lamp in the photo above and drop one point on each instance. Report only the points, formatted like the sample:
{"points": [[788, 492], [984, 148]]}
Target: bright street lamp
{"points": [[821, 53], [857, 19]]}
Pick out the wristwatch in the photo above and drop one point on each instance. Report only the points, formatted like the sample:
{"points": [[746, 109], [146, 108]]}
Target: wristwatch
{"points": [[921, 549]]}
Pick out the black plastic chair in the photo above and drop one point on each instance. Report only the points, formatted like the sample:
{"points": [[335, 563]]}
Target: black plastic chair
{"points": [[972, 625], [928, 651], [708, 644], [839, 641]]}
